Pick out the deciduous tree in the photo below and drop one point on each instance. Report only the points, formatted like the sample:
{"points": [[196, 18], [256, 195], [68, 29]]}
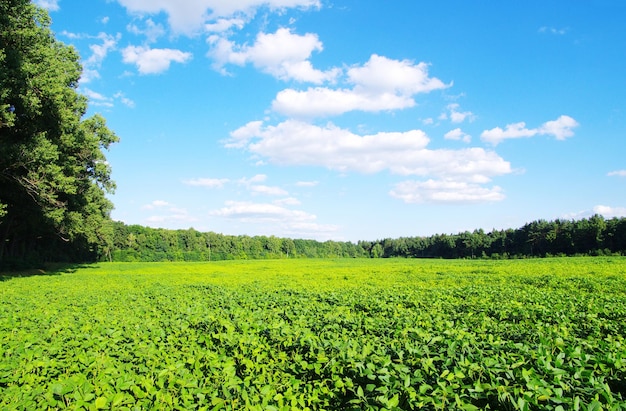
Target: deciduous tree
{"points": [[53, 172]]}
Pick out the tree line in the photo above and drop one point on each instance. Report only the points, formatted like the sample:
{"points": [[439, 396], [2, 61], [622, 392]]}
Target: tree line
{"points": [[587, 236], [139, 243]]}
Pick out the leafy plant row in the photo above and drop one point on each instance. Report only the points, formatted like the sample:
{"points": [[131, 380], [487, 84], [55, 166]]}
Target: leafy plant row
{"points": [[321, 335]]}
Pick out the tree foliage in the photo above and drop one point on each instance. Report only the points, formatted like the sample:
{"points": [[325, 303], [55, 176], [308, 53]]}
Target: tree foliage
{"points": [[53, 172], [138, 243], [588, 236]]}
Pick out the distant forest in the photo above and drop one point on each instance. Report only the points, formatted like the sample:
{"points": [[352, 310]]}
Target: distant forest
{"points": [[588, 236]]}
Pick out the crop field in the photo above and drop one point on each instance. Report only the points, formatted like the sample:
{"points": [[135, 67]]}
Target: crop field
{"points": [[349, 334]]}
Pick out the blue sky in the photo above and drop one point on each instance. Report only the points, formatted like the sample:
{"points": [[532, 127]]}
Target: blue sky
{"points": [[356, 120]]}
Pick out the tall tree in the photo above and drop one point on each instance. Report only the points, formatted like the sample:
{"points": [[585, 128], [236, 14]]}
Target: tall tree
{"points": [[53, 173]]}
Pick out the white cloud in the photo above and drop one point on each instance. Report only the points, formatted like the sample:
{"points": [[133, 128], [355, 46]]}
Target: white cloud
{"points": [[96, 98], [70, 35], [50, 5], [321, 101], [240, 137], [283, 54], [515, 130], [222, 25], [151, 30], [259, 178], [98, 53], [298, 143], [256, 212], [252, 184], [88, 75], [93, 94], [207, 182], [156, 204], [609, 212], [561, 128], [100, 100], [603, 210], [380, 84], [442, 191], [618, 173], [284, 221], [189, 16], [381, 75], [456, 116], [458, 134], [153, 61], [125, 100], [268, 190], [552, 30], [321, 232]]}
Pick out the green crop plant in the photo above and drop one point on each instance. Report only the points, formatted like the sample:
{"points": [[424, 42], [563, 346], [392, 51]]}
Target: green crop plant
{"points": [[317, 334]]}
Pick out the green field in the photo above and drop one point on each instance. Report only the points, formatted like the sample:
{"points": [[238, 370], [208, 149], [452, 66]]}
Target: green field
{"points": [[317, 334]]}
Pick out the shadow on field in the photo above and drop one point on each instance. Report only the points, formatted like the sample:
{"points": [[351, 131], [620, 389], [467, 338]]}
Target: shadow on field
{"points": [[47, 269]]}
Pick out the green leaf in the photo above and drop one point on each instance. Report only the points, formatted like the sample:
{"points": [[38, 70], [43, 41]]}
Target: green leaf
{"points": [[101, 402]]}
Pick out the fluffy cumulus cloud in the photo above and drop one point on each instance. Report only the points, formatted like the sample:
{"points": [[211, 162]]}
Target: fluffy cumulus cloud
{"points": [[152, 60], [382, 75], [379, 84], [444, 191], [189, 16], [561, 128], [295, 142], [455, 175], [283, 54], [458, 134], [455, 115]]}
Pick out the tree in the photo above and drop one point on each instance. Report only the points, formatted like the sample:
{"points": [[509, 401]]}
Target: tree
{"points": [[53, 172], [377, 251], [288, 247]]}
